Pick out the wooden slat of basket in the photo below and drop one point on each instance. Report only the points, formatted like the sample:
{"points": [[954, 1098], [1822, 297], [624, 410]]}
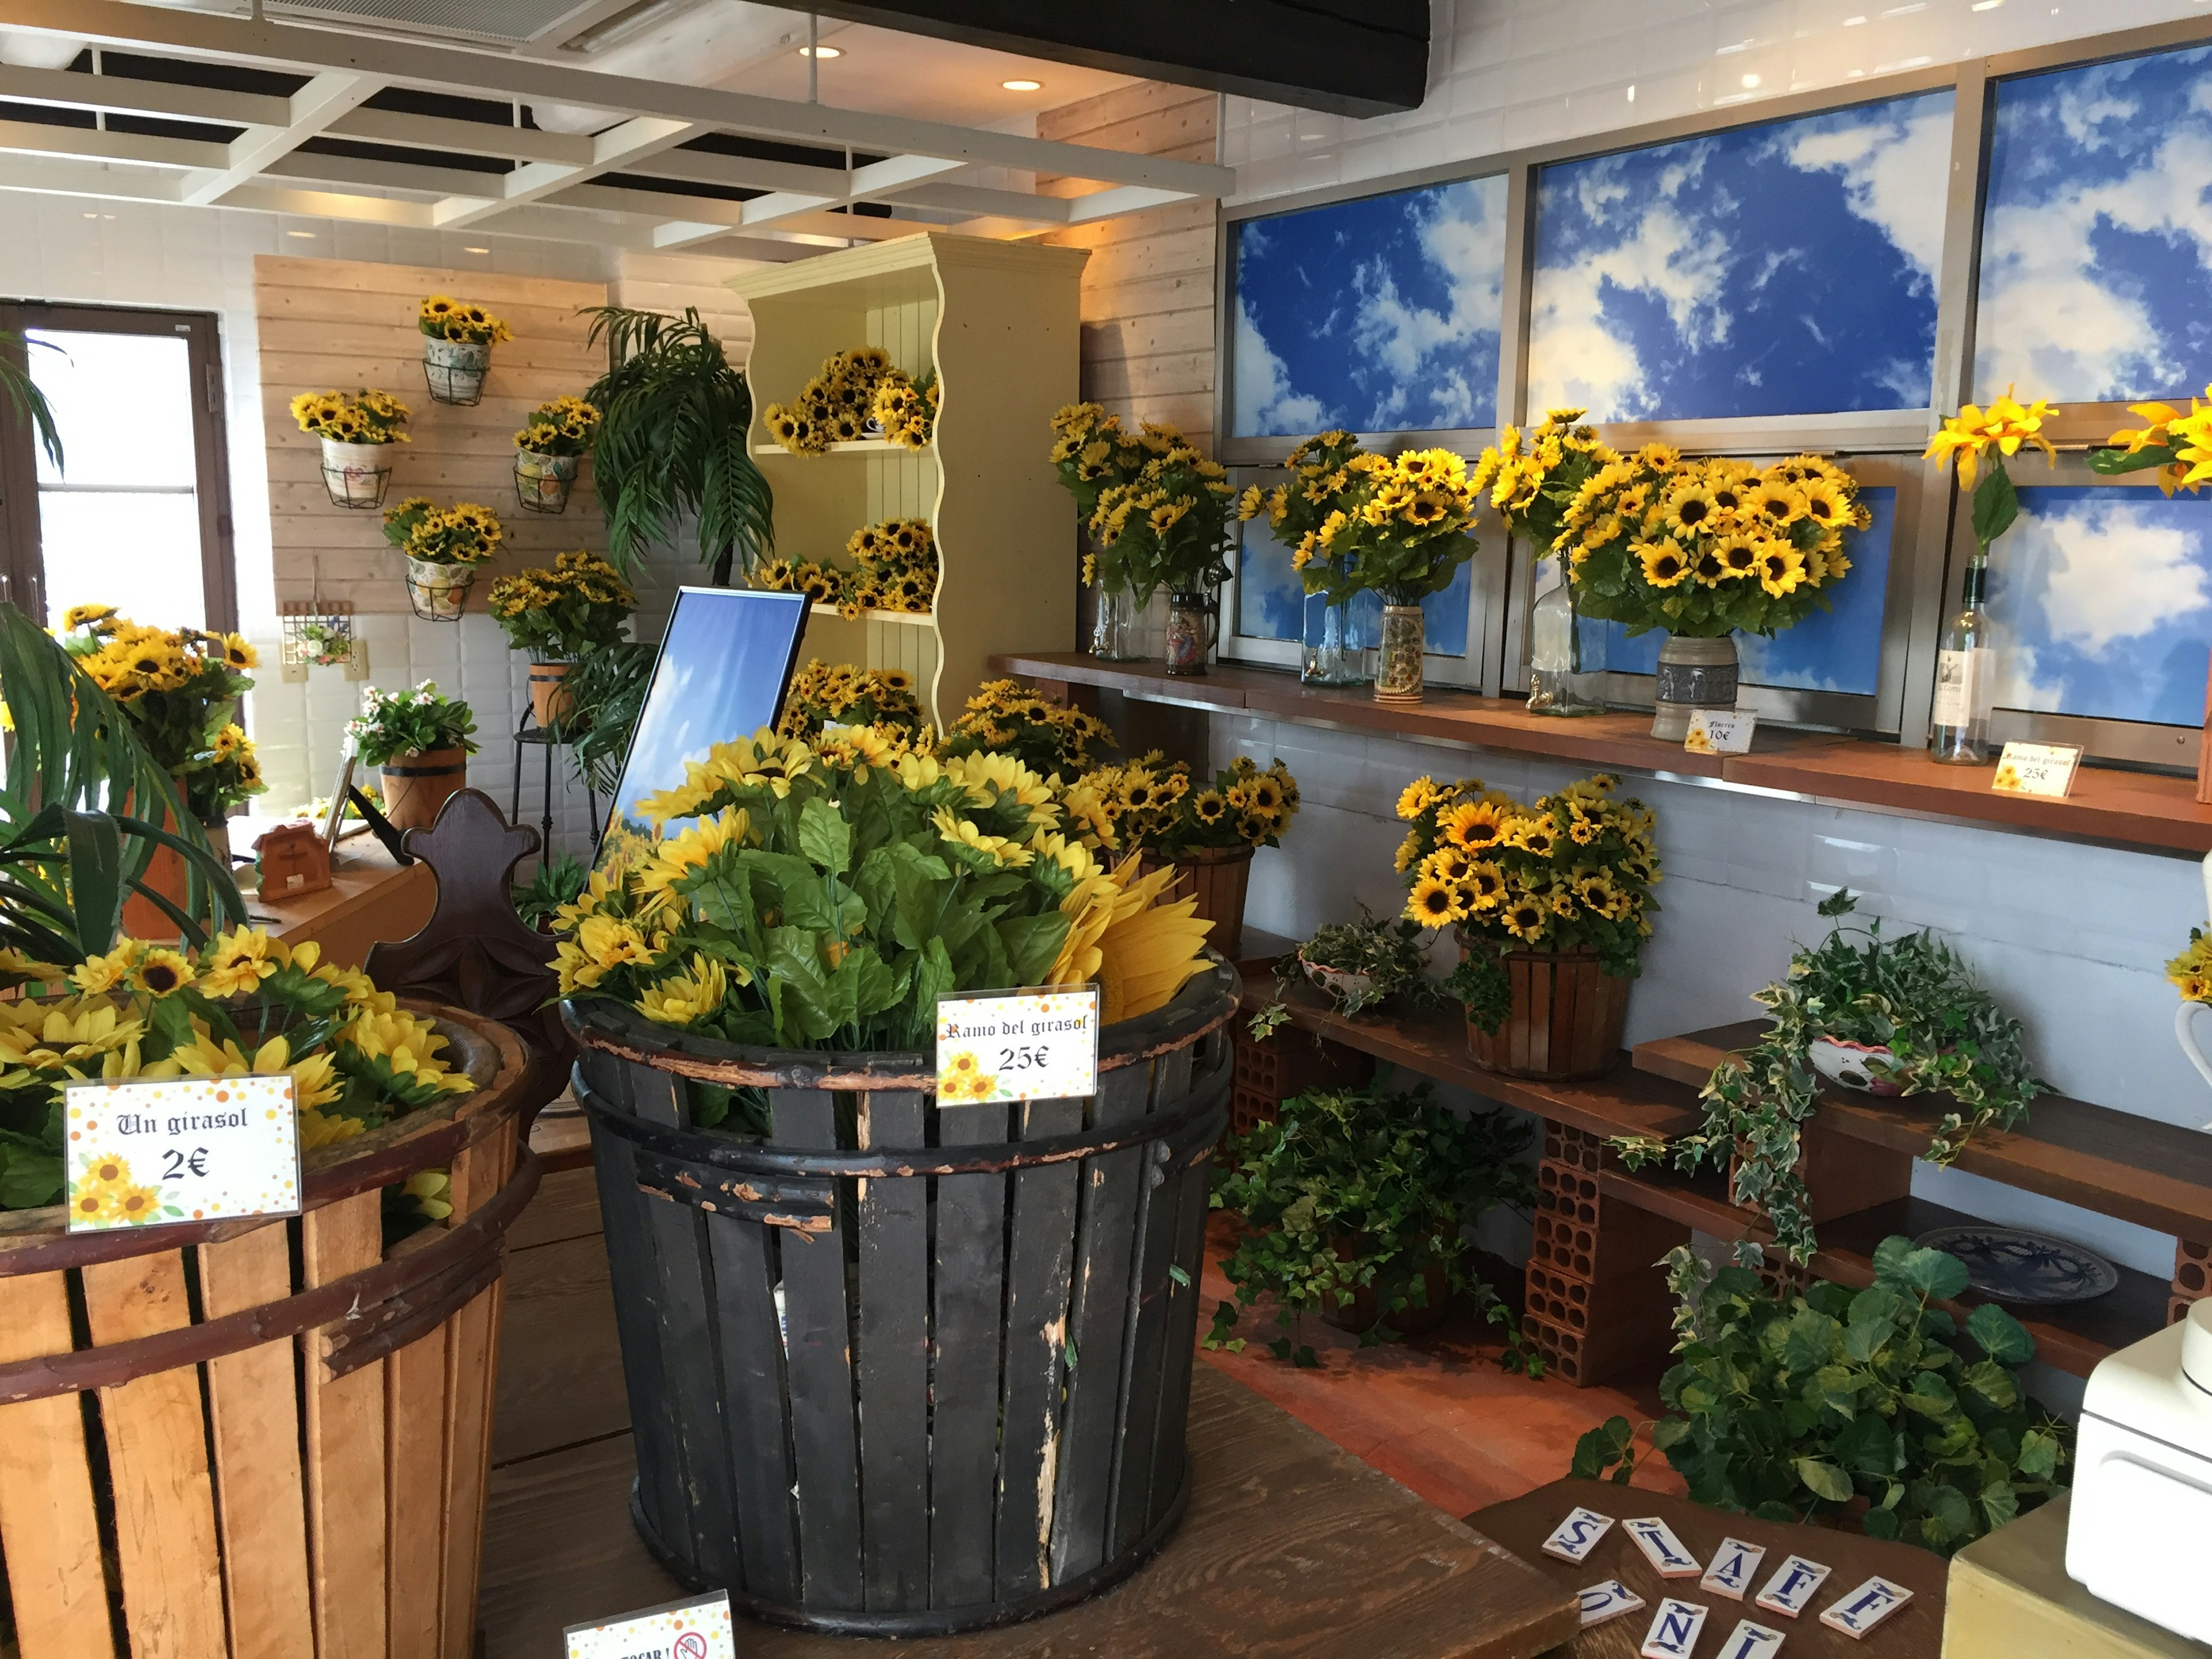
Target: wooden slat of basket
{"points": [[157, 1453], [471, 1354], [254, 1407], [345, 1450], [49, 1530], [414, 1478]]}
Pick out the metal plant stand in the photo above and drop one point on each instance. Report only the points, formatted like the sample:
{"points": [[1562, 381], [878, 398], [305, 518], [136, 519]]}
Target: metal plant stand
{"points": [[528, 731]]}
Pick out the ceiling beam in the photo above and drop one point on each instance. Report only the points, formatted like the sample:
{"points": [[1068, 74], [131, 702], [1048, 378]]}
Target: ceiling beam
{"points": [[96, 180], [633, 140], [64, 89], [91, 145], [313, 107], [416, 178], [1357, 58], [386, 126], [414, 62]]}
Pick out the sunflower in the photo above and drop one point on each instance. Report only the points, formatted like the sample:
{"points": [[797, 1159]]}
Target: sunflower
{"points": [[1663, 563], [1526, 919], [1432, 903], [1690, 510], [1738, 555], [1776, 504], [1447, 863], [1408, 850], [1417, 797], [1209, 806], [685, 999], [1781, 570], [1484, 885], [1535, 837], [1474, 825], [159, 972], [1826, 504]]}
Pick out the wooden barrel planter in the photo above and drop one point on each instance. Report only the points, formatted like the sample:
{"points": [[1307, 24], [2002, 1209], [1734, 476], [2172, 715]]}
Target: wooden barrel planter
{"points": [[899, 1370], [417, 786], [265, 1439], [1217, 877], [1566, 1018]]}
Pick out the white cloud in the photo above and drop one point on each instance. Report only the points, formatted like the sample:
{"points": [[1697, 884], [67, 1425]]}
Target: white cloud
{"points": [[1892, 174], [1266, 403], [1461, 241], [2108, 574]]}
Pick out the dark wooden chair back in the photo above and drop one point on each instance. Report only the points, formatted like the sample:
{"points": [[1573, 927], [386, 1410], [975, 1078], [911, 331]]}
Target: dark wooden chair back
{"points": [[475, 952]]}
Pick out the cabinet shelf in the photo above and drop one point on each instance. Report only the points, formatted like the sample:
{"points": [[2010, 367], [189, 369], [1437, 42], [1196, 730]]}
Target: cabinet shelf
{"points": [[906, 618], [850, 446]]}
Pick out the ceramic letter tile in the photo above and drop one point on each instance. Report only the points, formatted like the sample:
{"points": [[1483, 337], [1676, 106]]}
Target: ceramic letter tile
{"points": [[1792, 1588], [1608, 1600], [1574, 1538], [1750, 1641], [1665, 1551], [1733, 1564], [1866, 1607], [1673, 1630]]}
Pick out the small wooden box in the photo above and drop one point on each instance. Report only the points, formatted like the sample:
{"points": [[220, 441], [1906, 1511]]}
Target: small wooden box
{"points": [[293, 861]]}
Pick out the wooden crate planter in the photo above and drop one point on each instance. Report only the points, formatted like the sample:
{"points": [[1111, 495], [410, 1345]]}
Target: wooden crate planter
{"points": [[900, 1370], [279, 1432], [1566, 1021]]}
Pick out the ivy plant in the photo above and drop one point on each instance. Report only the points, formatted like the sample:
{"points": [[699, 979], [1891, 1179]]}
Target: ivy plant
{"points": [[1390, 952], [1356, 1189], [1915, 997], [1792, 1408]]}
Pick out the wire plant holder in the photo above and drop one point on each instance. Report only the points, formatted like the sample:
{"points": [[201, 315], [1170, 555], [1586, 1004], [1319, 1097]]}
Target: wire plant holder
{"points": [[542, 482], [357, 475], [439, 592], [454, 370]]}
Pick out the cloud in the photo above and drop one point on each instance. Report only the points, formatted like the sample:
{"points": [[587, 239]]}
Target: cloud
{"points": [[2107, 573], [1266, 403], [1463, 243], [1892, 170]]}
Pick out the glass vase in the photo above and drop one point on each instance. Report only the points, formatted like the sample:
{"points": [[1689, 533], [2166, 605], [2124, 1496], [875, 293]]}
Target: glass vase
{"points": [[1333, 659], [1563, 679], [1398, 658], [1189, 632], [1114, 629], [1958, 722]]}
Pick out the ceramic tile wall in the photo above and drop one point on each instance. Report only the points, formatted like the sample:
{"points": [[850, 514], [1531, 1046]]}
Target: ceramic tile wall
{"points": [[68, 248]]}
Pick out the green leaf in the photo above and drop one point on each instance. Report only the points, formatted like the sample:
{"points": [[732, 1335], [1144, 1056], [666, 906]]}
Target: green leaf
{"points": [[2000, 1502], [1993, 1383], [30, 1175], [1997, 504], [2038, 1454], [825, 836], [1824, 1478], [1889, 1256], [1930, 1395], [1032, 944], [2000, 1336], [1180, 1274], [1812, 1342], [1611, 1443], [95, 872], [1866, 1445], [1935, 1274], [1947, 1516]]}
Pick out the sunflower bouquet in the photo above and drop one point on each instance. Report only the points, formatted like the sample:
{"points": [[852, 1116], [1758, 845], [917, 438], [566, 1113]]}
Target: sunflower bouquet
{"points": [[557, 615], [825, 697], [894, 569], [1532, 479], [1573, 872], [180, 689], [812, 900], [365, 416], [1297, 511], [2180, 445], [1167, 526], [245, 1004], [1005, 718], [464, 534], [1092, 453], [856, 389], [564, 427], [1156, 806], [441, 318], [1399, 527], [2191, 971], [1703, 548]]}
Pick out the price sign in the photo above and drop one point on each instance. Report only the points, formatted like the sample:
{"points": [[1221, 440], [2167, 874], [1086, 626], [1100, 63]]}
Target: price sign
{"points": [[152, 1151], [697, 1629], [1720, 732], [2038, 769], [1017, 1045]]}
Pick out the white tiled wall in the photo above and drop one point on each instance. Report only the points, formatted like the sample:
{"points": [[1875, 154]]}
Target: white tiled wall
{"points": [[67, 248]]}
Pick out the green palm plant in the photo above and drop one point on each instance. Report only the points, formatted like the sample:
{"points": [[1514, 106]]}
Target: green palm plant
{"points": [[30, 403], [673, 416], [82, 812]]}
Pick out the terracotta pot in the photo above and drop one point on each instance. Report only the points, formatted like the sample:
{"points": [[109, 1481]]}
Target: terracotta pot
{"points": [[165, 874], [417, 786], [549, 697], [1566, 1018], [1217, 877], [1409, 1320]]}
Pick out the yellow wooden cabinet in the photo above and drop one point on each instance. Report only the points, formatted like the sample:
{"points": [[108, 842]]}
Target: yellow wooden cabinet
{"points": [[999, 323]]}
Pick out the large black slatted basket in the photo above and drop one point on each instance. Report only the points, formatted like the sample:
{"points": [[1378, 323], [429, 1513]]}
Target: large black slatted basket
{"points": [[969, 1408]]}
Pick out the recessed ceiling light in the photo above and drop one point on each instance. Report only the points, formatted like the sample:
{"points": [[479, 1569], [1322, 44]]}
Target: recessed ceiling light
{"points": [[476, 250], [1986, 5], [305, 235], [1750, 80], [1023, 86], [821, 52]]}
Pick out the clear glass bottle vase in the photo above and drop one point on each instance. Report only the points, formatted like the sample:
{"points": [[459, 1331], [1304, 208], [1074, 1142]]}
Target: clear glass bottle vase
{"points": [[1566, 671], [1114, 628], [1965, 676], [1333, 659]]}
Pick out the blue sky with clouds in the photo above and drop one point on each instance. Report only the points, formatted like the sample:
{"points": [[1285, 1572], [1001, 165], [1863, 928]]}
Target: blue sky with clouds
{"points": [[1782, 269], [1379, 314], [2102, 601], [2096, 279], [1271, 603]]}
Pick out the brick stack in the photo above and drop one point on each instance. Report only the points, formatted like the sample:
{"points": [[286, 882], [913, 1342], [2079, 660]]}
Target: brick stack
{"points": [[2192, 1279], [1597, 1300], [1287, 1065]]}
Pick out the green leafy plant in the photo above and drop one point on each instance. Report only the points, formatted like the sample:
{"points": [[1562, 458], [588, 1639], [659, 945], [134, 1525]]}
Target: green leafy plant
{"points": [[1795, 1407], [670, 445], [1914, 997], [1387, 951], [410, 723], [1352, 1190], [558, 881], [606, 691], [22, 392]]}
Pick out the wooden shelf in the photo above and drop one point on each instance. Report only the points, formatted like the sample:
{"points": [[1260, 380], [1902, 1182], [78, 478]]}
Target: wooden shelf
{"points": [[2156, 1174], [850, 447], [2139, 811], [909, 618]]}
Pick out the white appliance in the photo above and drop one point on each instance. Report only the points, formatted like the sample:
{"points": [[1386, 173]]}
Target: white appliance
{"points": [[2143, 1481]]}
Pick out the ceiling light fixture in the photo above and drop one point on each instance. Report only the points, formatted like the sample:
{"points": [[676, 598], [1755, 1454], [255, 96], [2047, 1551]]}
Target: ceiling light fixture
{"points": [[1023, 86], [821, 52], [476, 250], [1750, 80], [305, 235]]}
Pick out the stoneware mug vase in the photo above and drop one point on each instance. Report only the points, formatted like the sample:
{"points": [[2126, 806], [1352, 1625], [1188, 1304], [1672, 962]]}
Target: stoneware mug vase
{"points": [[1693, 674]]}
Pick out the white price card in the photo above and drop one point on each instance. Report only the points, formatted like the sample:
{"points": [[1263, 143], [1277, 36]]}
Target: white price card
{"points": [[1720, 732], [1017, 1045], [2038, 769], [697, 1629], [154, 1151]]}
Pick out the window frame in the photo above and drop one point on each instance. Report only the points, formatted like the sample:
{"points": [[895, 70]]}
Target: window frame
{"points": [[21, 558]]}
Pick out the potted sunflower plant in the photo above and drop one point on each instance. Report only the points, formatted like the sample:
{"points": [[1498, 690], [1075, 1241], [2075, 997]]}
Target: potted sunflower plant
{"points": [[550, 451], [1552, 902], [357, 431], [558, 615], [458, 336], [1005, 717], [443, 547], [421, 740]]}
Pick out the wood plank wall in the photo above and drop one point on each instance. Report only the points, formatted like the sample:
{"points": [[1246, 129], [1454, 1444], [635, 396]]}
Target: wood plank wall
{"points": [[327, 323]]}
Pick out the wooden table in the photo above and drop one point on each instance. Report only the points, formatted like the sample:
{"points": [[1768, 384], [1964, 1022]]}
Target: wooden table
{"points": [[1915, 1633], [1291, 1548], [370, 899]]}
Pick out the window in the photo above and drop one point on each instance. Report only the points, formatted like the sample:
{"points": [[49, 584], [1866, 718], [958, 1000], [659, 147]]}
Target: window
{"points": [[1784, 268], [138, 515], [1379, 314]]}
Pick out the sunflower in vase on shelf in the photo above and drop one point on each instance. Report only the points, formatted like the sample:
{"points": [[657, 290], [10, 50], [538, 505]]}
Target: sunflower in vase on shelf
{"points": [[839, 699], [1296, 511], [180, 690], [1167, 527], [858, 394], [1005, 717], [1531, 481], [1568, 878], [894, 569]]}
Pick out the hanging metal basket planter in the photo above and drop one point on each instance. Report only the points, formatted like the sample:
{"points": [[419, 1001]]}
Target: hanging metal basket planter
{"points": [[357, 475], [455, 369], [542, 482], [439, 591]]}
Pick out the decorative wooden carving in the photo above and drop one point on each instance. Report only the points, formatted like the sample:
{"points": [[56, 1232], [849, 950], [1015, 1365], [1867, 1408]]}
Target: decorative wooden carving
{"points": [[293, 861]]}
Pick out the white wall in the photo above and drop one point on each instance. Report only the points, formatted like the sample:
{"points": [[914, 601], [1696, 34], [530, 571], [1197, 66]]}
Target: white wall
{"points": [[2071, 937], [70, 248]]}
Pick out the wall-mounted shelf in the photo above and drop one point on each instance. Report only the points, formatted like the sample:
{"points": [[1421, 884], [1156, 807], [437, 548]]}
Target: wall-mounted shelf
{"points": [[851, 446], [906, 618], [2142, 811]]}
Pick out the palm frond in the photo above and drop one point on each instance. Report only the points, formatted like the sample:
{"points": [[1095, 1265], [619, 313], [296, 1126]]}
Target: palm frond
{"points": [[23, 392]]}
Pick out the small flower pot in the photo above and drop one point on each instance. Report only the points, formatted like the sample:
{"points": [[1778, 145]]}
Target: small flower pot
{"points": [[454, 370], [1340, 984], [550, 699], [1843, 1062], [1693, 674], [1217, 878], [1566, 1021], [542, 482], [439, 591], [1398, 659], [357, 475], [417, 785]]}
